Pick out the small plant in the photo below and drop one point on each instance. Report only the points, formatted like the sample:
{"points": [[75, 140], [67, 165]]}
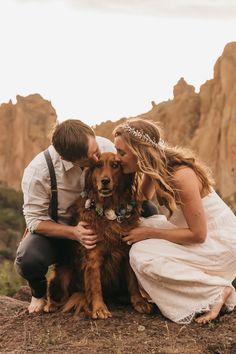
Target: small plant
{"points": [[10, 281]]}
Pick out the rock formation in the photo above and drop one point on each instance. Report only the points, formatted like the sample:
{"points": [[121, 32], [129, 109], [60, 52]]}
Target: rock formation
{"points": [[25, 128], [205, 121], [178, 117], [215, 138]]}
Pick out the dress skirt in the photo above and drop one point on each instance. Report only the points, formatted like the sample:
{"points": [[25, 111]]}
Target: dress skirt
{"points": [[185, 280]]}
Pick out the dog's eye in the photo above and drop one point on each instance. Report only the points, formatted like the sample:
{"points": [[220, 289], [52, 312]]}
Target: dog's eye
{"points": [[98, 165], [115, 164]]}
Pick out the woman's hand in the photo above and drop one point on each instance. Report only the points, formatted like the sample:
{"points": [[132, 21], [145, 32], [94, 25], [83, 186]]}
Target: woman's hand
{"points": [[85, 235], [137, 234]]}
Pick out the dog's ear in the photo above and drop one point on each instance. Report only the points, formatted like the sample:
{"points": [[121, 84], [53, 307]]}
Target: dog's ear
{"points": [[88, 184], [125, 187], [74, 215], [128, 181]]}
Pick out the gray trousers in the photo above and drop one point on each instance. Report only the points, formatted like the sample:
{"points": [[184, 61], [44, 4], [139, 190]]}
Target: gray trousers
{"points": [[35, 254]]}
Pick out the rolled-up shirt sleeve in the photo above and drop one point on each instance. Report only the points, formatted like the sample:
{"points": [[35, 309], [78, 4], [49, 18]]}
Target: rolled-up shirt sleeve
{"points": [[36, 190]]}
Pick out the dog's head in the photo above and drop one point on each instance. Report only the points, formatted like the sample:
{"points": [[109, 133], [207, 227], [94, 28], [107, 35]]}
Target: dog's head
{"points": [[108, 188], [106, 175]]}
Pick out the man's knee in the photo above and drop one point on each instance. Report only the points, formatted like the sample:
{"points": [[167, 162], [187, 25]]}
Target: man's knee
{"points": [[30, 258], [28, 265], [19, 266]]}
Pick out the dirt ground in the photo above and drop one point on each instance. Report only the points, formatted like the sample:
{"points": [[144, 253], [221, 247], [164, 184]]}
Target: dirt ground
{"points": [[126, 332]]}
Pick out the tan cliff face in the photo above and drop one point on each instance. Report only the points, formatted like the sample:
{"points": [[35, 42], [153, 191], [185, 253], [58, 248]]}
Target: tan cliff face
{"points": [[205, 121], [215, 139], [25, 128], [179, 117]]}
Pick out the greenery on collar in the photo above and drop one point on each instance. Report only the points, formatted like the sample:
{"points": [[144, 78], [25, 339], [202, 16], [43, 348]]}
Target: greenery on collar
{"points": [[120, 213]]}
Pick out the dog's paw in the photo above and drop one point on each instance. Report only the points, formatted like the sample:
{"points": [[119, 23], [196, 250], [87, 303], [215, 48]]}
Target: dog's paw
{"points": [[76, 301], [142, 306], [50, 307], [101, 312]]}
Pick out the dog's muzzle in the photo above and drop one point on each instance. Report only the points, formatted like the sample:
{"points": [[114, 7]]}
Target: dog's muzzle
{"points": [[105, 181], [105, 192]]}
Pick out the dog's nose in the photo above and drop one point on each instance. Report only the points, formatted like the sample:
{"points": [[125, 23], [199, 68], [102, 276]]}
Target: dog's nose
{"points": [[105, 181]]}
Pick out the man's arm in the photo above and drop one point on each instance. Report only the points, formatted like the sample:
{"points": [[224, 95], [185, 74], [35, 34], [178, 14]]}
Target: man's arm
{"points": [[80, 232], [37, 191]]}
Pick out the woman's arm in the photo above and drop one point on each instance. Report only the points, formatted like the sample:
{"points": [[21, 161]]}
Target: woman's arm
{"points": [[189, 188]]}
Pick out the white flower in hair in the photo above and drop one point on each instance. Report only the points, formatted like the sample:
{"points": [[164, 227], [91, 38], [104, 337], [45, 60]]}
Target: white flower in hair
{"points": [[161, 143], [143, 136]]}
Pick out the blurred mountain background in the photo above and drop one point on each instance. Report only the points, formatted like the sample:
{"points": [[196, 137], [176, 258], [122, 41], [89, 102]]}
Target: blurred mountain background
{"points": [[204, 121]]}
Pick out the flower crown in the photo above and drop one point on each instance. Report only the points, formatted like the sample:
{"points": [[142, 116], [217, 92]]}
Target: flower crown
{"points": [[143, 136]]}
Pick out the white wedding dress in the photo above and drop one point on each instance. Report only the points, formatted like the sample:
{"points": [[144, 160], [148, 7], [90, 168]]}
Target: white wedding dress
{"points": [[186, 280]]}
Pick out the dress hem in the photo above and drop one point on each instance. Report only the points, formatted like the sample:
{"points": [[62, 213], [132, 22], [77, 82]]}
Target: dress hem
{"points": [[230, 304]]}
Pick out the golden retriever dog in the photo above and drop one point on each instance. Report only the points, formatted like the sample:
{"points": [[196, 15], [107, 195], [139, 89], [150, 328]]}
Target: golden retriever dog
{"points": [[90, 277]]}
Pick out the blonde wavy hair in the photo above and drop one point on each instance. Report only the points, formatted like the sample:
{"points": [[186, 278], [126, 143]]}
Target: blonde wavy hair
{"points": [[159, 161]]}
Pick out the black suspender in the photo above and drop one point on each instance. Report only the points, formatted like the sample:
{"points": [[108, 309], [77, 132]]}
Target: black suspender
{"points": [[54, 202]]}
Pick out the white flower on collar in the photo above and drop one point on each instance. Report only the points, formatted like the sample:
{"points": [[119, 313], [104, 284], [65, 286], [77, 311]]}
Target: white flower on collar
{"points": [[110, 214], [88, 204]]}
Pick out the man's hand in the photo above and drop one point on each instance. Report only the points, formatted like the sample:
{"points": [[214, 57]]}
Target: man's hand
{"points": [[85, 235]]}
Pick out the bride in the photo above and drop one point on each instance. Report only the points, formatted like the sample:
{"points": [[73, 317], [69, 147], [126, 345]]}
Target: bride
{"points": [[185, 264]]}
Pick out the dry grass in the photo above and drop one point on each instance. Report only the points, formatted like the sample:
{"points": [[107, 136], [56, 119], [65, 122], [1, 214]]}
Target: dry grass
{"points": [[127, 332]]}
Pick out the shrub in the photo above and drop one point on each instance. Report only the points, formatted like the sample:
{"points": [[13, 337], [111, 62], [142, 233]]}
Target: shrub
{"points": [[10, 281]]}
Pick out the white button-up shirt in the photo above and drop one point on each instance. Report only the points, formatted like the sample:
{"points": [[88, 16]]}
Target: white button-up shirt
{"points": [[36, 186]]}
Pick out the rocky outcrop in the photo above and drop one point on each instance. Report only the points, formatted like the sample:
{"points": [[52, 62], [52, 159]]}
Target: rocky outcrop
{"points": [[205, 121], [215, 139], [25, 128], [178, 117]]}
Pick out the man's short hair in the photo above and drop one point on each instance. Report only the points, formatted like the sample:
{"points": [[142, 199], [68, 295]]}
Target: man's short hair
{"points": [[70, 139]]}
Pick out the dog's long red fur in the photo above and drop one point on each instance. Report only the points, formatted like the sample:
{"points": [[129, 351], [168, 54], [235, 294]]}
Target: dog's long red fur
{"points": [[92, 275]]}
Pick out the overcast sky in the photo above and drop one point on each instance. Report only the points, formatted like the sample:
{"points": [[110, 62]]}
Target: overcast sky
{"points": [[105, 59]]}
